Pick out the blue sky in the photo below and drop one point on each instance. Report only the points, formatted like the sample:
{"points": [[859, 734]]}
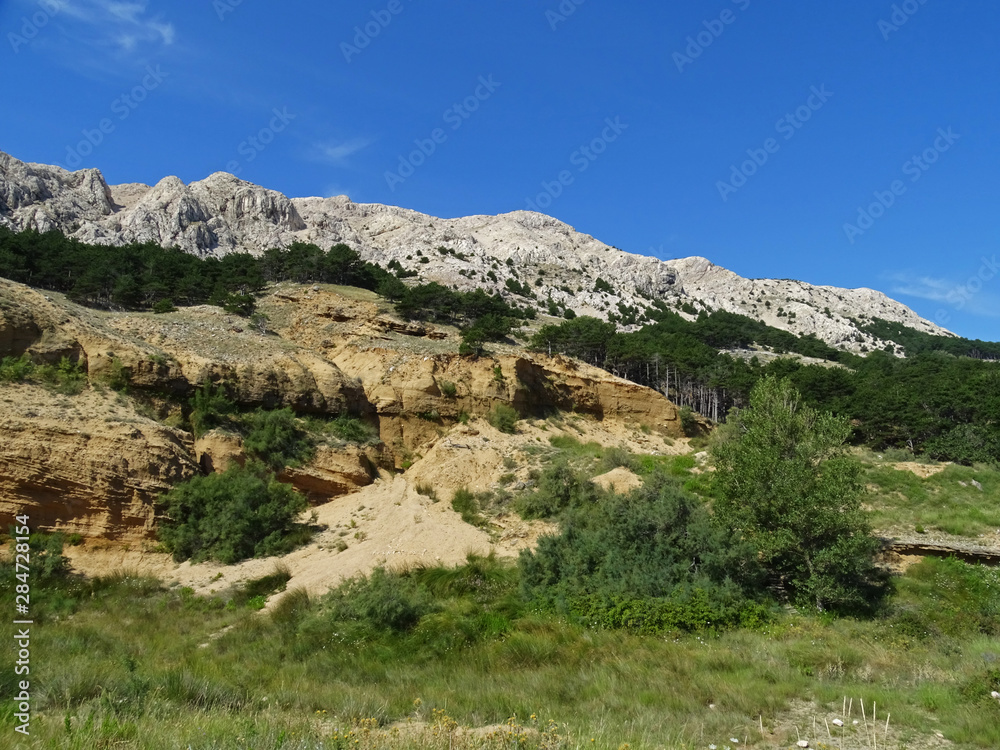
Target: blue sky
{"points": [[850, 144]]}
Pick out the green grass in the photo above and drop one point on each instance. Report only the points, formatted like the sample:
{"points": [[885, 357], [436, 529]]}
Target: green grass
{"points": [[901, 499], [129, 670]]}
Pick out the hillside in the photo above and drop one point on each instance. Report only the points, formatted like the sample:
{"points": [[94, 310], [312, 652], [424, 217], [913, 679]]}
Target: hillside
{"points": [[528, 256]]}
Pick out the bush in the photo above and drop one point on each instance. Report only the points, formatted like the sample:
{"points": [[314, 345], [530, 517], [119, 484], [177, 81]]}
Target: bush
{"points": [[427, 491], [381, 601], [559, 488], [116, 377], [66, 378], [210, 408], [15, 369], [503, 418], [276, 438], [164, 306], [448, 389], [465, 503], [655, 550], [352, 430], [689, 421], [229, 517], [47, 560]]}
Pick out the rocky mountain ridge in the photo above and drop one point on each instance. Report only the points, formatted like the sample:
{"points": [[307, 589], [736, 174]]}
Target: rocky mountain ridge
{"points": [[521, 253]]}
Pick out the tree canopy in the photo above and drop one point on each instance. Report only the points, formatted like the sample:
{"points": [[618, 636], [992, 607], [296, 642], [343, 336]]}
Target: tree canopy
{"points": [[786, 484]]}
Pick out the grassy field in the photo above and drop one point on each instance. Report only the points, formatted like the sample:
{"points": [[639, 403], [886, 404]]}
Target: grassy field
{"points": [[455, 658], [948, 501], [406, 661]]}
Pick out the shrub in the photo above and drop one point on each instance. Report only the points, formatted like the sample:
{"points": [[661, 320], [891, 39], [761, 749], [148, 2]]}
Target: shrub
{"points": [[656, 550], [116, 377], [617, 456], [352, 430], [209, 408], [164, 306], [47, 560], [66, 378], [559, 488], [381, 601], [503, 418], [689, 421], [15, 369], [465, 503], [276, 438], [229, 517], [448, 389], [427, 491]]}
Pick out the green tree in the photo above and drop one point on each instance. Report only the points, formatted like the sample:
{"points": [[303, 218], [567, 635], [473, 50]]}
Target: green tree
{"points": [[788, 486]]}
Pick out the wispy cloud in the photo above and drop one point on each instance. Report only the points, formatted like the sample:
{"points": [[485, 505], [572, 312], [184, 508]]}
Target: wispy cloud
{"points": [[338, 152], [120, 27], [972, 295], [922, 287]]}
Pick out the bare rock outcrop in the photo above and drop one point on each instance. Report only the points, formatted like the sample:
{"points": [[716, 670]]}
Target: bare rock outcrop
{"points": [[222, 214]]}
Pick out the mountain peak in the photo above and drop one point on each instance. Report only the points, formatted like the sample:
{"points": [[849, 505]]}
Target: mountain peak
{"points": [[523, 254]]}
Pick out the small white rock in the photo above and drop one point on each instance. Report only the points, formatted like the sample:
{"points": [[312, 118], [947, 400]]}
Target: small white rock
{"points": [[802, 743], [837, 723]]}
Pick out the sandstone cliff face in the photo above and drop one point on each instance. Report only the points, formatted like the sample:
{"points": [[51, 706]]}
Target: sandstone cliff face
{"points": [[174, 353], [411, 394], [85, 464], [335, 470], [223, 214]]}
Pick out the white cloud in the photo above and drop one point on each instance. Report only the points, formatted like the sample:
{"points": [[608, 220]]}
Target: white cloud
{"points": [[125, 27], [340, 151], [976, 295]]}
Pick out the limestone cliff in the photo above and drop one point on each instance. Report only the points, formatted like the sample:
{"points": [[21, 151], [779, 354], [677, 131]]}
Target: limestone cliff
{"points": [[222, 214]]}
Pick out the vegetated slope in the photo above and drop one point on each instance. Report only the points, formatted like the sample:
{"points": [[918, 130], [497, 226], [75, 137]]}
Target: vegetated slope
{"points": [[530, 257]]}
